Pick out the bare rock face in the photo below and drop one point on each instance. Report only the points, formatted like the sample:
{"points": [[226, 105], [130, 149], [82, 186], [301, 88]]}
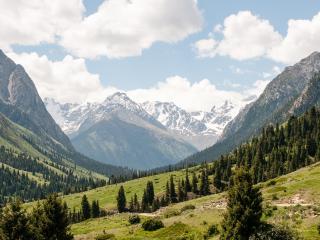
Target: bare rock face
{"points": [[21, 103]]}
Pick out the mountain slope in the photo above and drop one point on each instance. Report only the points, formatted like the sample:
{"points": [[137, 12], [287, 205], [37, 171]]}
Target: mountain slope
{"points": [[28, 127], [201, 129], [119, 131], [20, 102], [276, 104]]}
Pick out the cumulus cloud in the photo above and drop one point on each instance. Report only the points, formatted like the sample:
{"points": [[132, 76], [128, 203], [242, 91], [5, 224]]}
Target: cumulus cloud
{"points": [[35, 21], [303, 38], [122, 28], [67, 80], [247, 36]]}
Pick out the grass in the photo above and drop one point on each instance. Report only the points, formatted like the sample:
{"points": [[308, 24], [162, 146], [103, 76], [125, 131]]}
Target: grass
{"points": [[194, 223]]}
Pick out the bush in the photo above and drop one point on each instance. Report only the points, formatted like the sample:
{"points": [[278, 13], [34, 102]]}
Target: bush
{"points": [[134, 219], [187, 207], [213, 230], [105, 236], [268, 231], [171, 213], [152, 225]]}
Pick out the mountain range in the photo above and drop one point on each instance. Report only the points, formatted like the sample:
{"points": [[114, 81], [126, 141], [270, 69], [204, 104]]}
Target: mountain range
{"points": [[292, 92], [152, 134]]}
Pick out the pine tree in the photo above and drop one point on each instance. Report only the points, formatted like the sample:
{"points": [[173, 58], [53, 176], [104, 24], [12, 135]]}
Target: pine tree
{"points": [[121, 200], [173, 195], [194, 183], [188, 187], [95, 209], [180, 192], [136, 203], [204, 184], [14, 223], [85, 206], [244, 208], [54, 222], [150, 192], [144, 202], [167, 195]]}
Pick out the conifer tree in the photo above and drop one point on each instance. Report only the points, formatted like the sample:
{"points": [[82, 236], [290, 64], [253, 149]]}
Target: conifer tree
{"points": [[244, 208], [180, 192], [204, 184], [86, 208], [144, 202], [188, 187], [150, 192], [121, 200], [136, 203], [14, 223], [56, 224], [167, 195], [173, 195], [95, 209], [194, 183]]}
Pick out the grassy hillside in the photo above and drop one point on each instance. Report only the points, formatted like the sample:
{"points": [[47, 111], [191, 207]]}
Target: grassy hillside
{"points": [[292, 200]]}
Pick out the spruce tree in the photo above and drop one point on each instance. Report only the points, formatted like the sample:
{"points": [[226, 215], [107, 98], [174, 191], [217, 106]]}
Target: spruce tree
{"points": [[144, 202], [136, 203], [14, 223], [150, 192], [121, 200], [188, 187], [244, 208], [54, 222], [95, 209], [194, 183], [173, 195], [204, 184], [180, 192], [86, 208]]}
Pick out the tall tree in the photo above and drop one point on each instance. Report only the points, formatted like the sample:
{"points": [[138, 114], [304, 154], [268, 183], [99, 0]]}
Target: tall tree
{"points": [[194, 183], [54, 223], [95, 209], [86, 208], [204, 184], [121, 200], [188, 187], [244, 208], [150, 192], [14, 223], [173, 195]]}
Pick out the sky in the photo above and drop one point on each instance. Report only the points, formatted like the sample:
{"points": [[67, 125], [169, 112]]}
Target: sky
{"points": [[195, 53]]}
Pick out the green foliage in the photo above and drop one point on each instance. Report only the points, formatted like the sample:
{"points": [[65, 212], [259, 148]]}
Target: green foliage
{"points": [[244, 208], [134, 219], [86, 208], [95, 209], [121, 200], [152, 224], [213, 230], [268, 231], [14, 223], [187, 207]]}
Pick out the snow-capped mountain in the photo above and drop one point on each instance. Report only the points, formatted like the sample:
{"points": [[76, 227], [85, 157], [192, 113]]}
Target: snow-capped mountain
{"points": [[119, 131], [202, 129]]}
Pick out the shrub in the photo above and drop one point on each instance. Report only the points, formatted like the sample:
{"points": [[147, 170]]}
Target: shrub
{"points": [[134, 219], [105, 236], [152, 225], [213, 230], [171, 213], [187, 207], [268, 231]]}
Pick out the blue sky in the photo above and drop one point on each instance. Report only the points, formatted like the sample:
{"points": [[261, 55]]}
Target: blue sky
{"points": [[164, 59]]}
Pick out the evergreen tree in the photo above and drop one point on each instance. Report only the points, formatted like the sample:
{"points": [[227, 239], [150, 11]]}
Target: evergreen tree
{"points": [[244, 208], [167, 195], [121, 200], [204, 184], [85, 206], [188, 187], [180, 192], [194, 183], [54, 222], [173, 195], [95, 209], [150, 192], [136, 203], [144, 202], [14, 223]]}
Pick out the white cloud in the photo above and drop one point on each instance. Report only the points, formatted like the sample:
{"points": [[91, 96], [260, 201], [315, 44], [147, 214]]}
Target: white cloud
{"points": [[247, 36], [206, 47], [303, 38], [35, 21], [122, 28], [67, 80]]}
